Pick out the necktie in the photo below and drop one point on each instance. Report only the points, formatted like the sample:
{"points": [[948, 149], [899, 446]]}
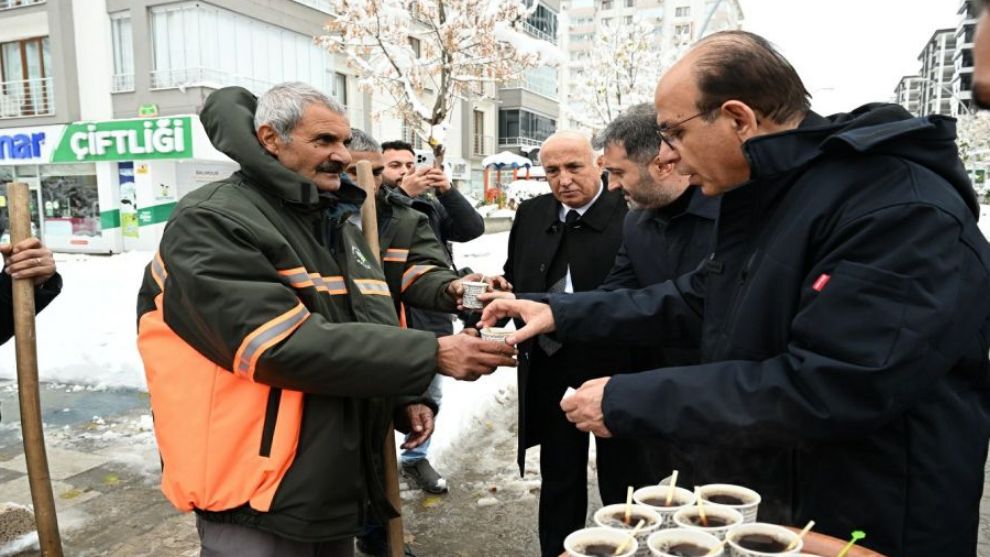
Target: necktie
{"points": [[549, 345]]}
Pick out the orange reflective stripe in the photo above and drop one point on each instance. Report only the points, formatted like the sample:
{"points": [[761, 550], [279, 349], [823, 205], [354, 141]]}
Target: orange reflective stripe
{"points": [[330, 285], [297, 277], [413, 273], [399, 255], [372, 287], [158, 271], [266, 336]]}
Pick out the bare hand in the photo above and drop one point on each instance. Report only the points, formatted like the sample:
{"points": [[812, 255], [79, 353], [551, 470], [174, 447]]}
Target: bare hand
{"points": [[438, 179], [538, 318], [417, 182], [420, 417], [29, 259], [492, 296], [499, 283], [584, 407], [456, 287], [466, 357]]}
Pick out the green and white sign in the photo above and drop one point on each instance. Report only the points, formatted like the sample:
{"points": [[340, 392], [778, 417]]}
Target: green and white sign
{"points": [[126, 140]]}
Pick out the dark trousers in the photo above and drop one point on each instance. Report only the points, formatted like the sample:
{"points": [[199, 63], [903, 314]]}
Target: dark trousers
{"points": [[233, 540], [564, 466]]}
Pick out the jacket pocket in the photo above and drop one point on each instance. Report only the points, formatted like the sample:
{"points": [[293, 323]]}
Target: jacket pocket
{"points": [[853, 314], [271, 416]]}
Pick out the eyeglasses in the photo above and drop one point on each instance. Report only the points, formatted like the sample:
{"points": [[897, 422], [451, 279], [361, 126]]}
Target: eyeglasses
{"points": [[669, 133]]}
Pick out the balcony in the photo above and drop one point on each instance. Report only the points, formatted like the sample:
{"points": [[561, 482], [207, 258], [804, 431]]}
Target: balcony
{"points": [[11, 4], [122, 83], [180, 78], [481, 145], [522, 141], [537, 32], [31, 97]]}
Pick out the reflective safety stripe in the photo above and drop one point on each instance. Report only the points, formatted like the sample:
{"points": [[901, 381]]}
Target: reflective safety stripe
{"points": [[413, 273], [266, 336], [331, 285], [399, 255], [372, 287], [158, 271], [297, 277]]}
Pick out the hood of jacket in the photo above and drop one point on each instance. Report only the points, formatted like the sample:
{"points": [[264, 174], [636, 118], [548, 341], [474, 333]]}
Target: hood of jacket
{"points": [[228, 117], [876, 128]]}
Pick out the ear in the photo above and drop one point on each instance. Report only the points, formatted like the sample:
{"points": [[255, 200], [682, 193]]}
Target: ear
{"points": [[269, 139], [745, 122]]}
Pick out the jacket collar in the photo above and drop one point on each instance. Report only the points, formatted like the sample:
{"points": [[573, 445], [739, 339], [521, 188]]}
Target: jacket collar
{"points": [[690, 202], [596, 217]]}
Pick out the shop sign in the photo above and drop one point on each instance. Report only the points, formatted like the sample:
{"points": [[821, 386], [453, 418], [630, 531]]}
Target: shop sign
{"points": [[27, 145], [117, 140], [148, 110]]}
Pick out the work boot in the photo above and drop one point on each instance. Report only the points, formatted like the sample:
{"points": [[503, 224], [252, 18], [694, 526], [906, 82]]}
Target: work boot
{"points": [[424, 476]]}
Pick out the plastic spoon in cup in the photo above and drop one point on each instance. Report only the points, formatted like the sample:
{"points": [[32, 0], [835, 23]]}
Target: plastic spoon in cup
{"points": [[856, 536], [701, 507], [671, 488], [632, 536], [807, 528], [629, 494]]}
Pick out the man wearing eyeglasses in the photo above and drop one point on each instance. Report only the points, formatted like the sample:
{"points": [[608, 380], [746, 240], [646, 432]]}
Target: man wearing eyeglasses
{"points": [[843, 316]]}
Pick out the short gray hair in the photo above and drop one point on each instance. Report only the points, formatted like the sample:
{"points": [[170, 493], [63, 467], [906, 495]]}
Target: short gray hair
{"points": [[362, 142], [636, 130], [282, 106]]}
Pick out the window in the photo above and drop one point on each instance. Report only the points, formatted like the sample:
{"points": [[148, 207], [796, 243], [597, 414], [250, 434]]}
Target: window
{"points": [[606, 4], [479, 132], [71, 205], [123, 51], [607, 21], [338, 89], [417, 46], [627, 20], [682, 11], [542, 24], [409, 135], [682, 30], [516, 125], [195, 43], [630, 3], [25, 67], [542, 80]]}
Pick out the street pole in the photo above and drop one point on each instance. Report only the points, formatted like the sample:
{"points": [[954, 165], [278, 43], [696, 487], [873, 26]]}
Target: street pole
{"points": [[26, 350], [369, 227]]}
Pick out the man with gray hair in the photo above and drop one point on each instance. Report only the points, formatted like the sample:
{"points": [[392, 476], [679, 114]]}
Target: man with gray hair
{"points": [[270, 341]]}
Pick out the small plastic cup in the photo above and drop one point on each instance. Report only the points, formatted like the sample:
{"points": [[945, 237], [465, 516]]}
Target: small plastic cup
{"points": [[585, 542], [778, 535], [471, 292], [496, 334], [612, 516], [661, 543], [717, 494], [727, 517], [655, 496]]}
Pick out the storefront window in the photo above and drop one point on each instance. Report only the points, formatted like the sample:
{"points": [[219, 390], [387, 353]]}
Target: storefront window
{"points": [[70, 200], [8, 175]]}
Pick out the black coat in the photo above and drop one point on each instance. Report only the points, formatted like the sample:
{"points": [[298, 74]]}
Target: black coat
{"points": [[845, 334], [659, 245], [533, 243], [43, 295]]}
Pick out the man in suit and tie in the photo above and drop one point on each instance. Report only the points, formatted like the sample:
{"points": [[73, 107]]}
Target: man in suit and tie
{"points": [[566, 241]]}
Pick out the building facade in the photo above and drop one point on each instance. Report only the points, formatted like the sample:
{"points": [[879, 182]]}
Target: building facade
{"points": [[937, 71], [676, 25], [99, 102], [908, 93]]}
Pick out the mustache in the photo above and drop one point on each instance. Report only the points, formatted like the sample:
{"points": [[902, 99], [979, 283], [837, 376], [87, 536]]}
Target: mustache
{"points": [[331, 167]]}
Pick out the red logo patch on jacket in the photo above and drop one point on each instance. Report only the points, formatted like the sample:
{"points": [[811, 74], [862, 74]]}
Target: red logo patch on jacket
{"points": [[820, 282]]}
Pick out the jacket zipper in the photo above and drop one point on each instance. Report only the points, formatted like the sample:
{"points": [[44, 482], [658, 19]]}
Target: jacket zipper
{"points": [[271, 416]]}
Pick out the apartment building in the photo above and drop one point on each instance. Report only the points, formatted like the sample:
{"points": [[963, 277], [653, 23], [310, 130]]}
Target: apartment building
{"points": [[676, 25], [99, 102], [908, 93], [962, 62]]}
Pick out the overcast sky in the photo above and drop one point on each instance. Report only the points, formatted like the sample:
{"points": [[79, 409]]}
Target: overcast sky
{"points": [[850, 52]]}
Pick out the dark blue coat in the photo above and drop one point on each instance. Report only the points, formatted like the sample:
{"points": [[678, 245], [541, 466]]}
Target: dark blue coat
{"points": [[845, 332]]}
